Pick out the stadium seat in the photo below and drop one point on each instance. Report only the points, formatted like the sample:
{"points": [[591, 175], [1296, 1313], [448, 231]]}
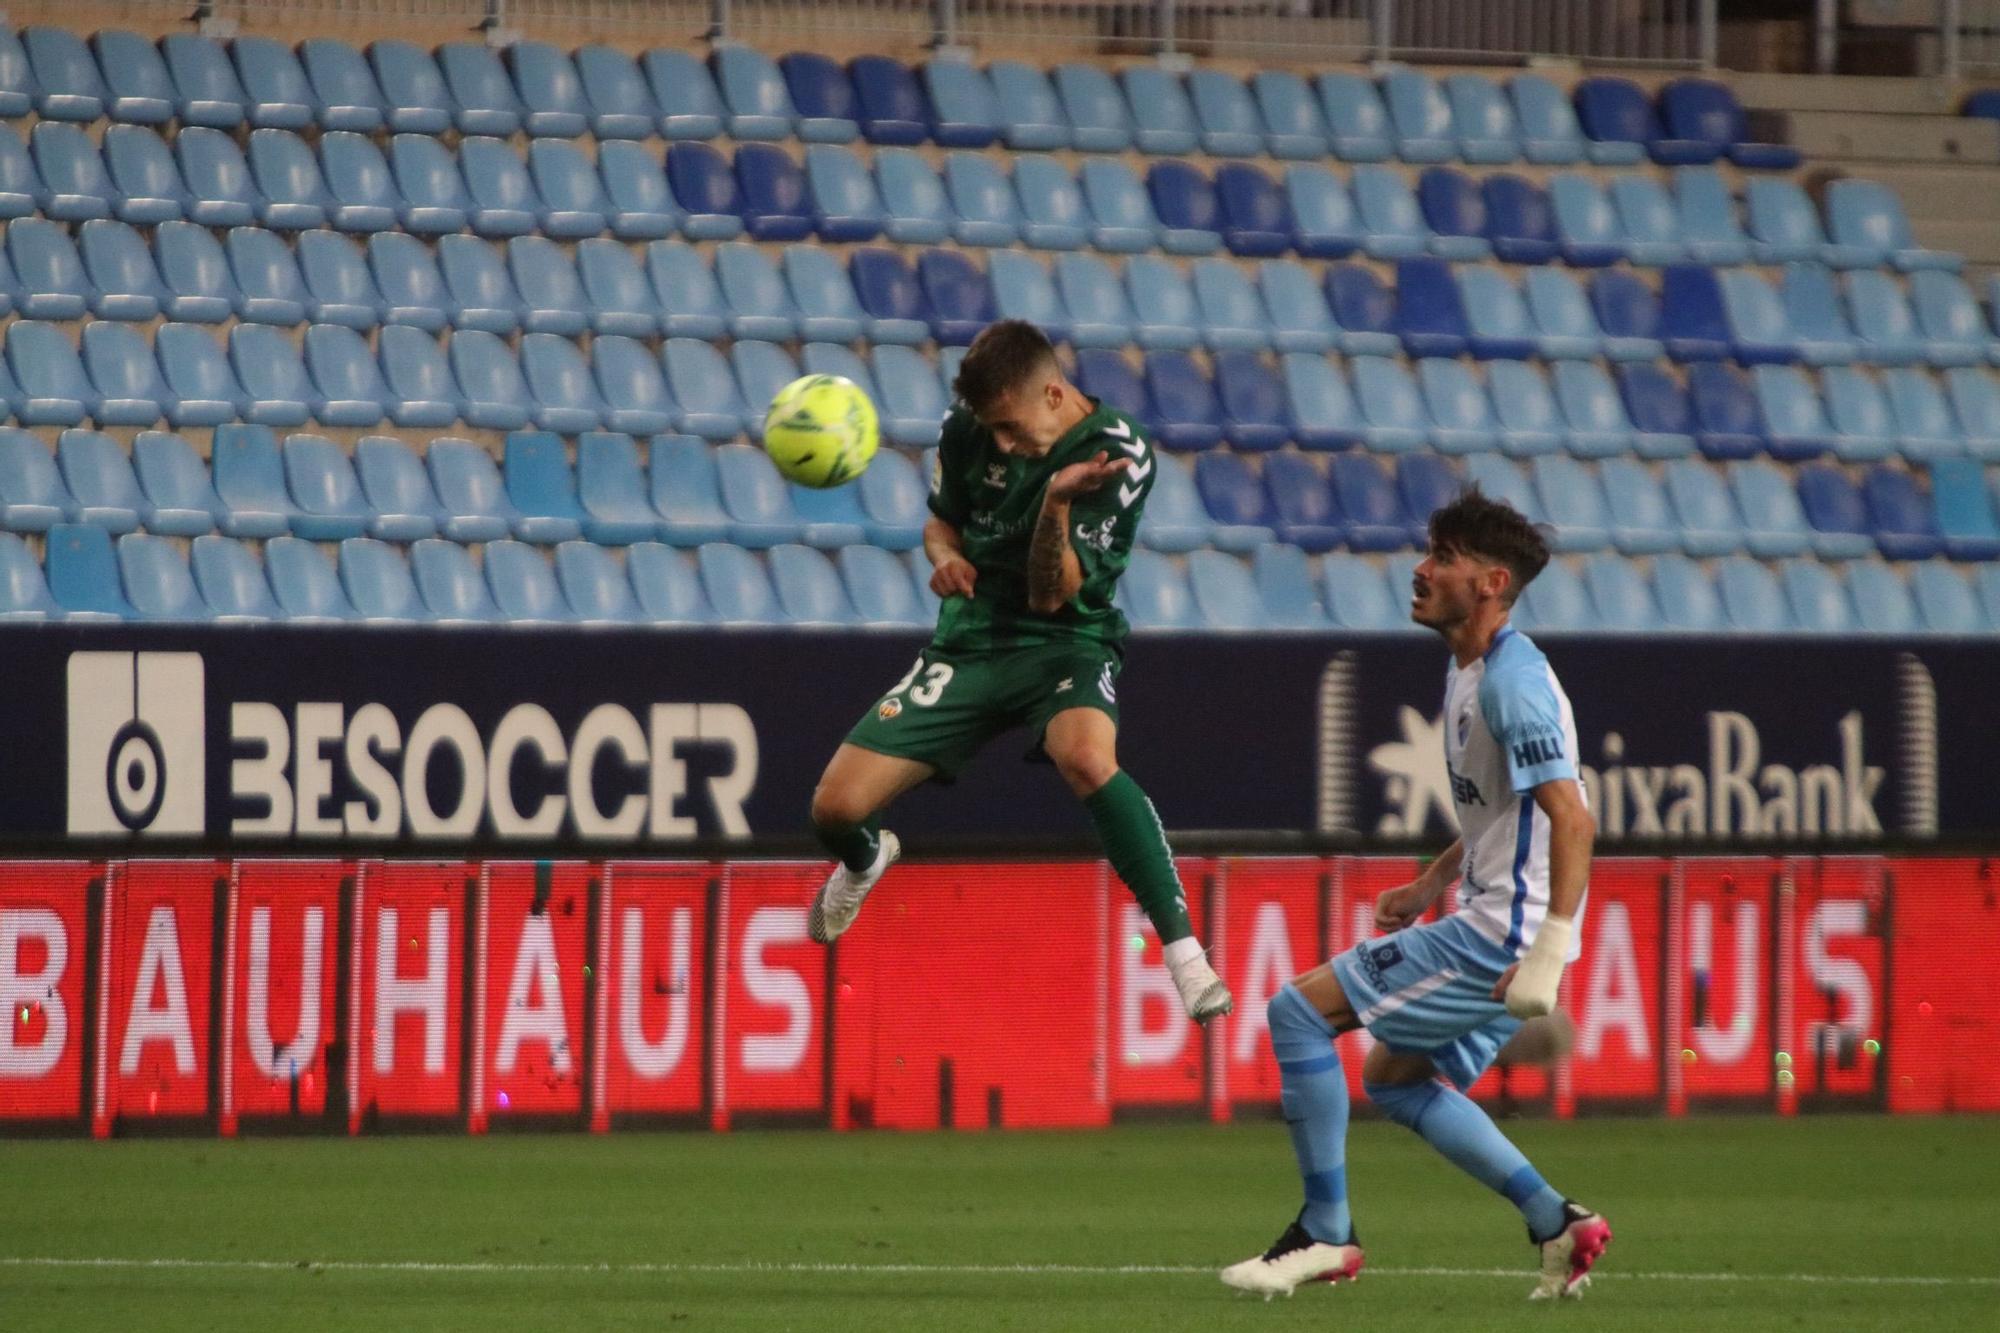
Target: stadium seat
{"points": [[551, 290], [21, 189], [33, 494], [1758, 329], [1561, 315], [453, 588], [615, 95], [1621, 601], [362, 197], [1256, 220], [471, 492], [1225, 114], [1705, 111], [1030, 115], [1024, 289], [1421, 117], [1297, 310], [911, 404], [982, 198], [957, 293], [1660, 410], [1529, 421], [822, 96], [1572, 501], [1294, 124], [1099, 120], [632, 386], [761, 306], [1752, 598], [340, 289], [433, 191], [1520, 221], [344, 373], [1795, 423], [1165, 312], [124, 376], [691, 106], [342, 86], [1358, 596], [686, 291], [180, 501], [406, 274], [574, 204], [1964, 510], [896, 306], [1497, 319], [1085, 306], [415, 98], [1586, 224], [78, 188], [67, 83], [404, 506], [1363, 309], [1325, 223], [1174, 519], [1692, 324], [1858, 408], [1234, 496], [1618, 109], [1686, 596], [98, 475], [1946, 600], [1185, 203], [1252, 401], [880, 588], [1598, 424], [1392, 225], [53, 282], [1323, 411], [809, 590], [542, 487], [701, 382], [891, 102], [1647, 216], [1628, 312], [249, 479], [737, 586], [1154, 594], [1121, 213], [1819, 604], [53, 390], [594, 586], [137, 88], [1817, 323], [294, 193], [616, 291], [156, 580], [667, 586], [1454, 208], [1928, 429], [481, 293], [640, 206], [280, 95], [493, 395], [1884, 324], [422, 390], [202, 388], [771, 190], [267, 276], [524, 586], [1226, 598], [1706, 216], [844, 204], [1729, 421], [1901, 514], [1163, 119], [1639, 519], [304, 585], [916, 209], [1834, 508], [1549, 132], [1949, 320], [146, 186], [686, 491], [206, 89], [1557, 602], [323, 485], [762, 371], [965, 113], [1392, 411], [1186, 412], [565, 394], [1785, 227], [701, 180], [1430, 315], [1882, 601], [1105, 376], [1483, 120], [1355, 114], [1426, 483], [1366, 497], [759, 105], [1461, 414], [1868, 227]]}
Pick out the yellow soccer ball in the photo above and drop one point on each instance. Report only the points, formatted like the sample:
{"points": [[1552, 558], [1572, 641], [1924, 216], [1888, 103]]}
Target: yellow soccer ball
{"points": [[821, 430]]}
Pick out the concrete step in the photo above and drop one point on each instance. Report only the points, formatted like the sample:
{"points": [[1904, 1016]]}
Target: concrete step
{"points": [[1871, 136], [1838, 92], [1946, 193], [1977, 240]]}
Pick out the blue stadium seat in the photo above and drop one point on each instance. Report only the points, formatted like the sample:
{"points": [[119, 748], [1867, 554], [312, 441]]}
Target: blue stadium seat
{"points": [[45, 260], [880, 588], [666, 586], [406, 274], [343, 86], [1023, 289], [1520, 221], [482, 295], [1363, 309], [53, 390], [1322, 409], [179, 500], [524, 586], [1814, 316], [1640, 521], [1430, 315], [1819, 604], [98, 476], [958, 294], [893, 508], [1225, 114], [1461, 415], [403, 504], [413, 90], [620, 104], [1598, 424], [1256, 220], [1758, 328], [1482, 119], [1163, 121], [138, 89], [690, 103], [1185, 203], [287, 176], [279, 94], [915, 208], [1366, 497], [1795, 424], [1560, 314], [1392, 224], [1834, 508], [363, 196], [156, 580], [1497, 320], [1105, 376], [772, 191], [1686, 596], [1586, 224], [1232, 316], [1557, 602], [686, 291], [339, 287], [78, 188], [761, 306], [1550, 133], [1928, 432], [551, 291], [737, 586], [1884, 324], [1785, 227], [21, 189], [1946, 601], [1100, 314], [1704, 111], [1121, 211], [249, 478], [1706, 217], [493, 395], [620, 298], [1868, 227], [1621, 599], [1325, 223], [1363, 597], [964, 111], [912, 404], [146, 185], [611, 489], [1573, 502], [562, 386], [203, 389], [1187, 413], [1296, 306], [1660, 410], [1454, 207], [1729, 420], [267, 275], [1856, 404], [711, 404], [703, 183], [32, 492], [982, 198], [206, 89], [125, 377], [1692, 324], [892, 106], [1391, 408], [843, 201], [1356, 116], [1165, 313], [1226, 598], [1099, 120], [542, 487], [470, 492], [422, 388], [1654, 231], [594, 585], [898, 311], [1883, 603], [1030, 116], [1619, 110], [1529, 421], [229, 580], [547, 88], [829, 517], [1628, 312], [1234, 496], [1954, 330], [762, 371], [1294, 124], [350, 391], [322, 483], [1752, 598], [67, 83], [573, 198], [1174, 520], [502, 195], [427, 176], [1155, 595], [754, 91], [1900, 514], [1426, 483], [1420, 116], [452, 587], [632, 386], [686, 490]]}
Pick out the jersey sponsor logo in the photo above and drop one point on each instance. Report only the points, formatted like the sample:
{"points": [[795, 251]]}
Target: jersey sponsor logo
{"points": [[890, 710], [1098, 536], [1463, 789], [996, 476], [1537, 750]]}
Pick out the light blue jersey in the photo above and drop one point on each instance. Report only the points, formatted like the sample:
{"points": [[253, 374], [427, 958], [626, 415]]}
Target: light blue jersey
{"points": [[1508, 729]]}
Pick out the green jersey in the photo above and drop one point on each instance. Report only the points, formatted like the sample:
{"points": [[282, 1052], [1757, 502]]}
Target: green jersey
{"points": [[994, 501]]}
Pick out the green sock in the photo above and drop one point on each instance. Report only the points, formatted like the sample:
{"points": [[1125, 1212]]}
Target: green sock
{"points": [[854, 847], [1129, 828]]}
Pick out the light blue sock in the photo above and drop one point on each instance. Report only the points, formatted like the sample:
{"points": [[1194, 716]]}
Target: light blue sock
{"points": [[1314, 1100], [1452, 1123]]}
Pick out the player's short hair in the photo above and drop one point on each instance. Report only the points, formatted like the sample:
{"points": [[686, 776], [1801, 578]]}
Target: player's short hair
{"points": [[1005, 356], [1476, 524]]}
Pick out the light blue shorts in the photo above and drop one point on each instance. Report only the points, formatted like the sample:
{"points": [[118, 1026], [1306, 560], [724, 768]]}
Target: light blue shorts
{"points": [[1428, 990]]}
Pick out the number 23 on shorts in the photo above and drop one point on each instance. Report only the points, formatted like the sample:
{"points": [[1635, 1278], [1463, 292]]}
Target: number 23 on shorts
{"points": [[935, 677]]}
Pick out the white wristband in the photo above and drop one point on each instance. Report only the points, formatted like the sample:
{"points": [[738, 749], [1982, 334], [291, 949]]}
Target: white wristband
{"points": [[1532, 993]]}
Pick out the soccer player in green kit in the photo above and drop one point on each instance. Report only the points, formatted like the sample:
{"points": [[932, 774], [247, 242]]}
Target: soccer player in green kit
{"points": [[1034, 505]]}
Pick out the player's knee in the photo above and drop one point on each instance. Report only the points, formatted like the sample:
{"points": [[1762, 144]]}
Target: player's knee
{"points": [[1404, 1103], [1290, 1016], [1085, 767], [835, 807]]}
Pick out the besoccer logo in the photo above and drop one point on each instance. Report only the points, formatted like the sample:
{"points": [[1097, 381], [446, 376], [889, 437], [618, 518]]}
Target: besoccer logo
{"points": [[136, 743]]}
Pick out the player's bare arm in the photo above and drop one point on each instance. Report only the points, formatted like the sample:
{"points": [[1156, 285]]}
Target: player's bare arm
{"points": [[1054, 572], [1529, 987], [952, 575], [1400, 907]]}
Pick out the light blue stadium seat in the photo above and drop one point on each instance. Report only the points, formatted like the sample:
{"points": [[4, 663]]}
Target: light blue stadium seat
{"points": [[157, 581], [1461, 415], [450, 586], [404, 505], [1420, 115], [482, 294], [1775, 523], [916, 210], [1758, 328], [810, 591], [737, 586], [1558, 602], [1946, 600], [230, 580], [22, 191], [1154, 594], [687, 292], [1530, 422], [1649, 220], [1706, 214], [1598, 424], [1710, 523], [1587, 226], [1100, 314], [1573, 501], [120, 366], [542, 487], [549, 89], [1814, 315], [666, 586], [762, 370], [68, 85], [686, 491], [1868, 227], [249, 479], [497, 185], [1561, 314], [406, 274], [362, 195], [1883, 602], [561, 384], [1483, 120], [1296, 307], [1752, 598], [202, 388], [1621, 600], [1293, 122], [493, 394], [179, 500], [1686, 596], [879, 588], [1819, 604], [279, 94], [1359, 122], [1502, 479], [611, 490], [1323, 411], [1964, 510], [1641, 522], [426, 175], [1928, 432], [1053, 216], [1358, 595], [1121, 211], [1030, 115], [207, 91], [483, 98], [759, 502], [343, 86], [690, 104], [1163, 303], [1173, 519], [267, 275], [77, 186], [52, 389], [1226, 116], [330, 503], [98, 475], [1795, 421], [1392, 225], [912, 404], [1550, 134], [983, 200], [1858, 409], [1785, 227], [294, 194], [638, 203], [761, 306], [84, 580], [422, 388], [198, 284], [594, 584], [1024, 289], [1325, 222], [1391, 408], [350, 391], [523, 585], [632, 386], [965, 112], [470, 491], [1163, 118], [573, 198], [220, 191], [146, 185], [1095, 109], [415, 98], [1226, 597], [893, 502], [53, 282], [1884, 324], [1948, 318], [1496, 315], [620, 299], [1283, 586], [845, 204], [339, 287]]}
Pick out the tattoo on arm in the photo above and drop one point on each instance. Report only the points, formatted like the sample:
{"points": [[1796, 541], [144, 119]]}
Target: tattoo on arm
{"points": [[1050, 558]]}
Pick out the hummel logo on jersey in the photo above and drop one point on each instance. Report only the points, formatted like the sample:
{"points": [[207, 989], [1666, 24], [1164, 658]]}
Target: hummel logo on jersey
{"points": [[1537, 750], [1104, 686], [996, 476], [1064, 685]]}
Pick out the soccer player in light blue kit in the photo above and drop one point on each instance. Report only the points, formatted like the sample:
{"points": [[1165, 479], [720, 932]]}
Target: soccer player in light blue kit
{"points": [[1441, 999]]}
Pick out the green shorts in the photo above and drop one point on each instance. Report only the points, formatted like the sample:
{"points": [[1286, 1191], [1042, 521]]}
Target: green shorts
{"points": [[946, 707]]}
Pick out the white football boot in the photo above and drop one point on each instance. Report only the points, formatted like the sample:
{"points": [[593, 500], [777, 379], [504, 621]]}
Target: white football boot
{"points": [[1568, 1255], [1203, 993], [840, 898], [1296, 1258]]}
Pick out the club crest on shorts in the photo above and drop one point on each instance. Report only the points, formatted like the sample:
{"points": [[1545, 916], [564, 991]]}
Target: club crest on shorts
{"points": [[890, 709]]}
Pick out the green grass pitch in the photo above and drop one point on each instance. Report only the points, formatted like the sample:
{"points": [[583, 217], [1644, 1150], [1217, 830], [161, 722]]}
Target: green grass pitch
{"points": [[1819, 1223]]}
